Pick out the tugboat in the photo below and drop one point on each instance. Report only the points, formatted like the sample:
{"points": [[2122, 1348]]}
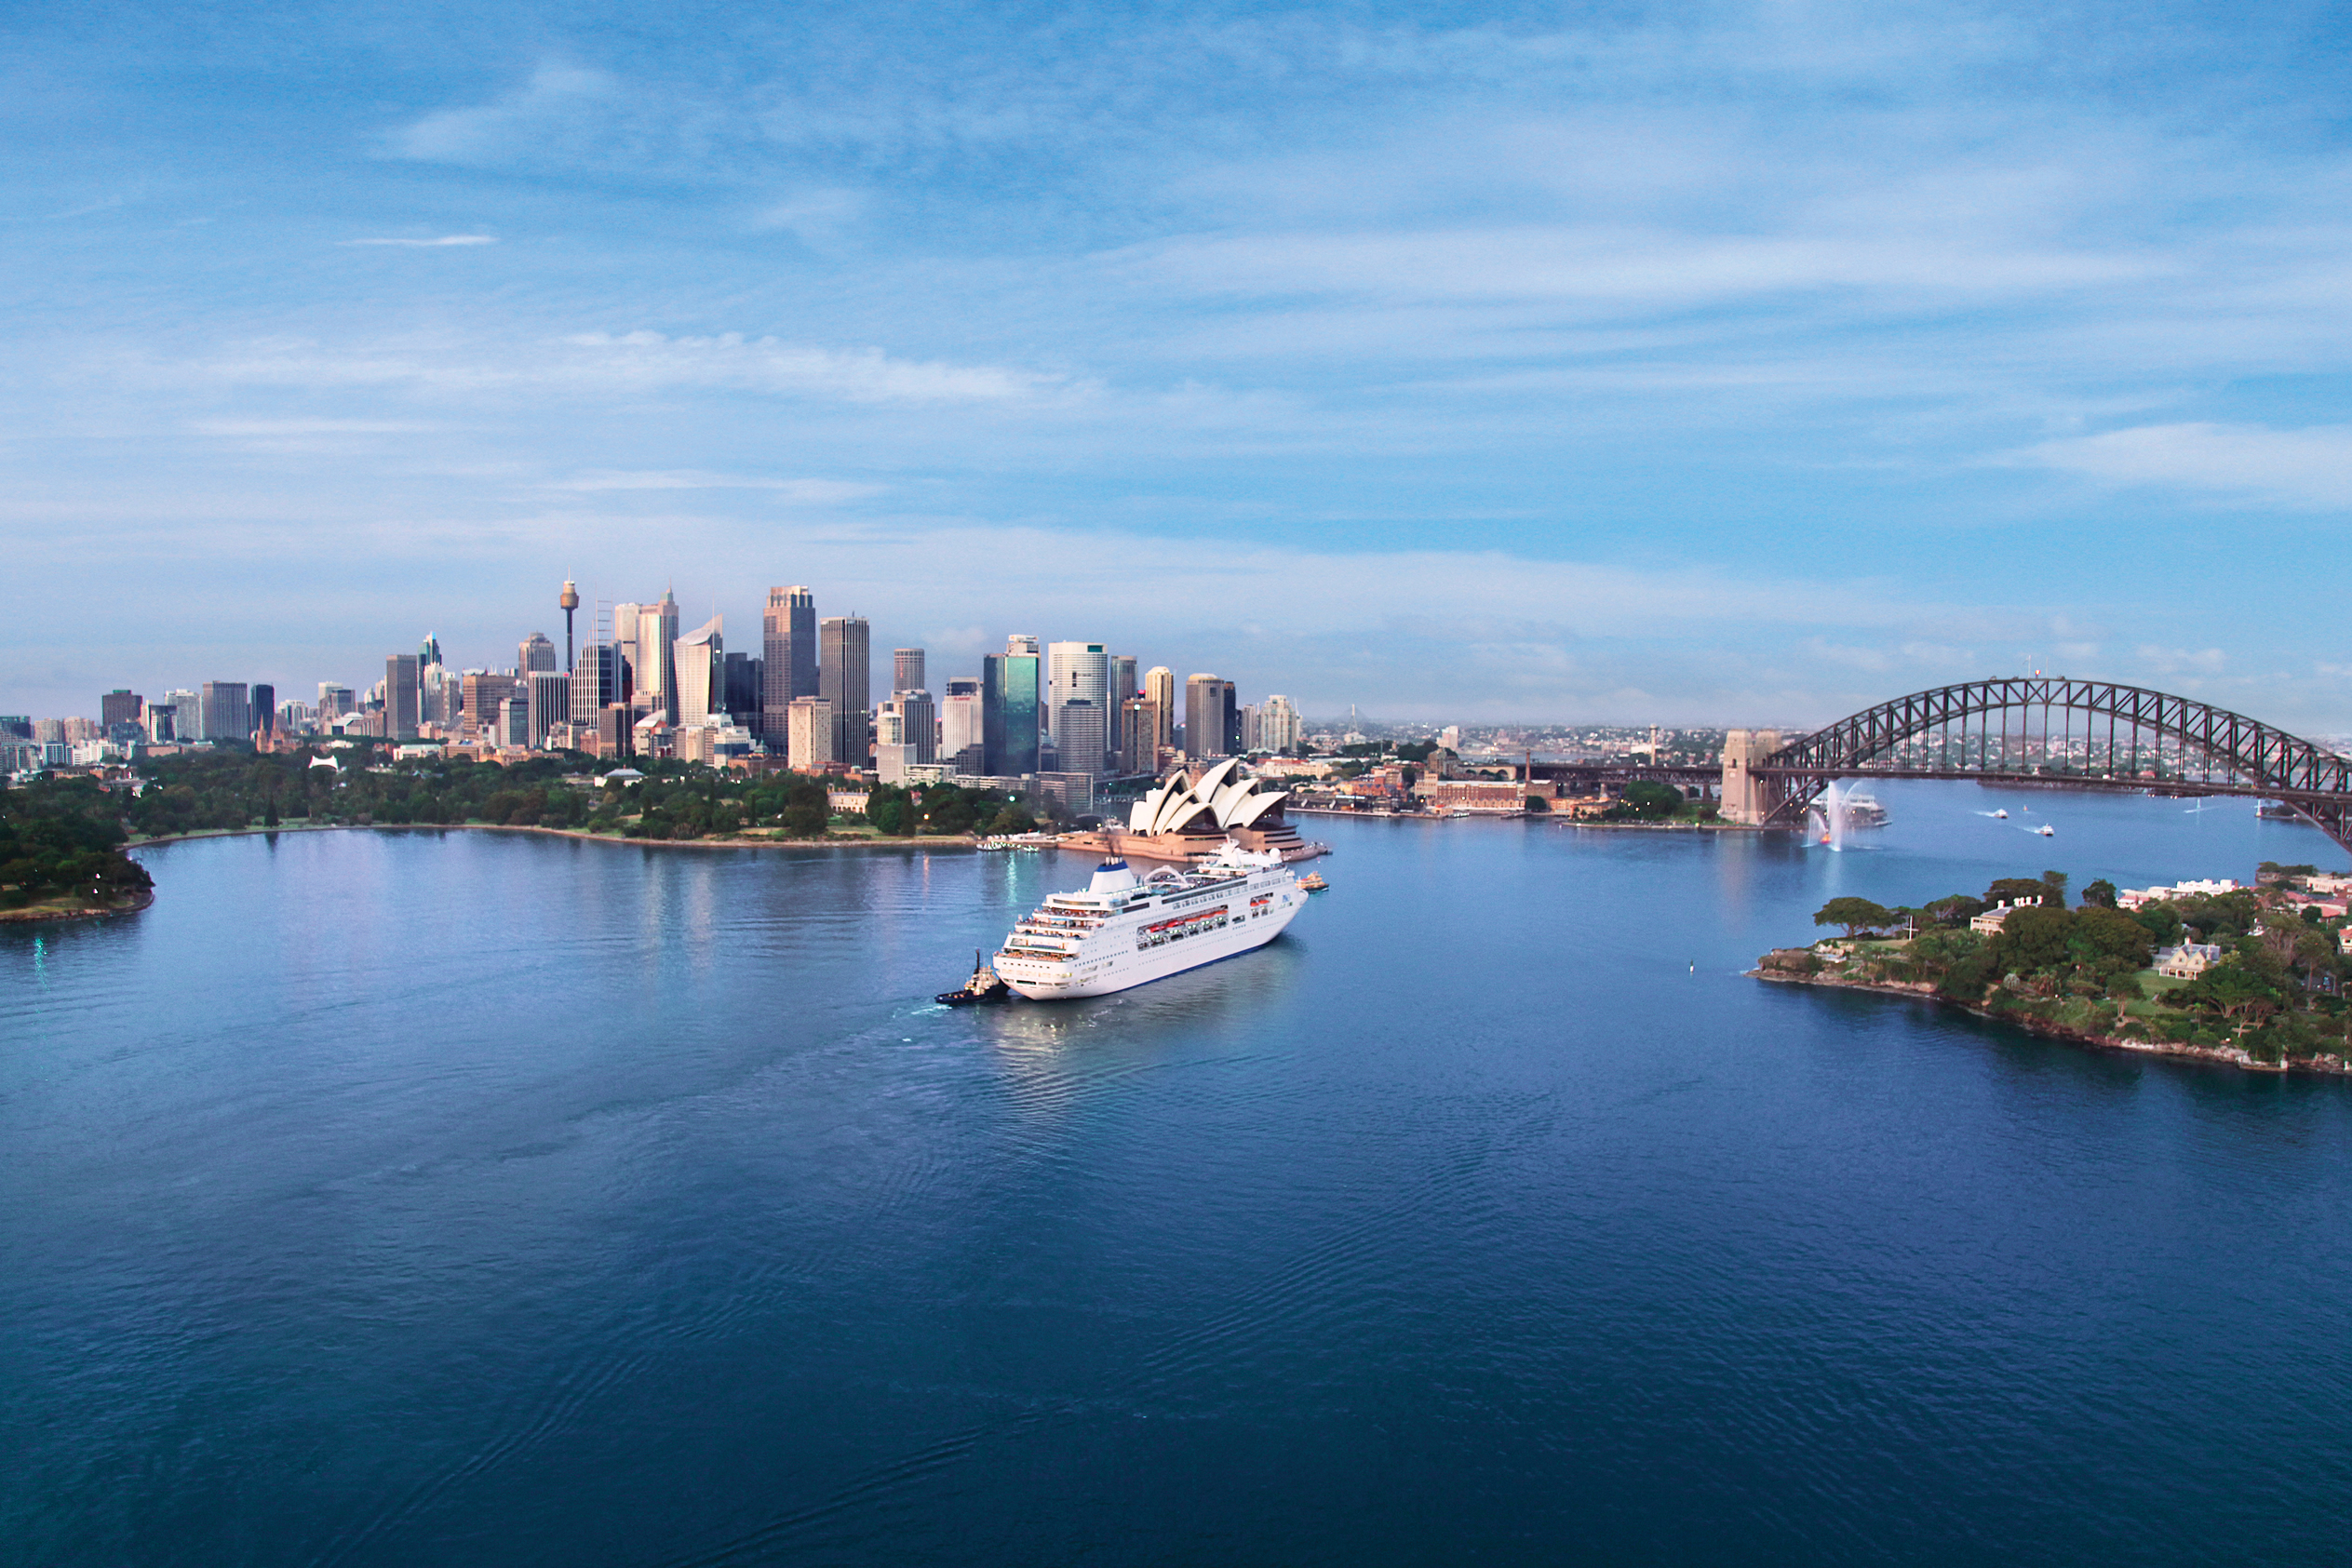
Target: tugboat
{"points": [[984, 986]]}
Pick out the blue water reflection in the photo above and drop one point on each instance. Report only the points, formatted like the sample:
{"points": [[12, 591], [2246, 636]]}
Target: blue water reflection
{"points": [[457, 1196]]}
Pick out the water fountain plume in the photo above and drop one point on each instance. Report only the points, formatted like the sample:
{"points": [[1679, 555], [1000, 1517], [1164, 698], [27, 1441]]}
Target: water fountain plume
{"points": [[1835, 818]]}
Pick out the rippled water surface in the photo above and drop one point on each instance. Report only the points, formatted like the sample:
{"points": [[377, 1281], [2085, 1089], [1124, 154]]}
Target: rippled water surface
{"points": [[403, 1198]]}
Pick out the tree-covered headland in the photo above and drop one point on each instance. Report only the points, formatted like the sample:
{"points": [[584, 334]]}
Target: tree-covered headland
{"points": [[2274, 990], [62, 849], [62, 838]]}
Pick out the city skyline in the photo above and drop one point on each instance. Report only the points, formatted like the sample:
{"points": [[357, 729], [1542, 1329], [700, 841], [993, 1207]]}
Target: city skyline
{"points": [[1718, 368]]}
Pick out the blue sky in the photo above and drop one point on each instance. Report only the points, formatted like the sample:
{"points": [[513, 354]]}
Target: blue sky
{"points": [[1734, 364]]}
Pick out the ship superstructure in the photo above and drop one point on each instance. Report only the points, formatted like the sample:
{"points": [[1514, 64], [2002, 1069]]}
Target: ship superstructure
{"points": [[1126, 930]]}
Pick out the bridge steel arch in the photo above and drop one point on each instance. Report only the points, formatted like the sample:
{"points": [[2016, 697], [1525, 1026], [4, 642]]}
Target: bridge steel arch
{"points": [[1945, 733]]}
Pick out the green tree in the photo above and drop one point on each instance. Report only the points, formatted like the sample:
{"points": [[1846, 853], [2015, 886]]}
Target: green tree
{"points": [[2033, 941], [1645, 801], [1856, 914], [2099, 893], [2231, 991], [2017, 890]]}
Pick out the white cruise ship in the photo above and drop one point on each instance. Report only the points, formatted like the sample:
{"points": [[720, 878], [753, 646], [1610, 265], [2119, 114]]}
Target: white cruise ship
{"points": [[1126, 930]]}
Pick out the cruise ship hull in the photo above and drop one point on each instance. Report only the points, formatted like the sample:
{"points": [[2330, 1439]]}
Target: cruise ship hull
{"points": [[1126, 933]]}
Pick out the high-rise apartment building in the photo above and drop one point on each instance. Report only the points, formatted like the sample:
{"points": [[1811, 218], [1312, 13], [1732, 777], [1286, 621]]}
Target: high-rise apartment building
{"points": [[119, 706], [1123, 682], [788, 667], [962, 732], [1008, 708], [402, 696], [336, 701], [534, 653], [261, 708], [700, 661], [1280, 727], [808, 734], [845, 679], [906, 670], [1211, 722], [1077, 672], [187, 715]]}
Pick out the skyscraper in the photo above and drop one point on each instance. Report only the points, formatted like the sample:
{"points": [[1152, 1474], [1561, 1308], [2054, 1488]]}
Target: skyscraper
{"points": [[1209, 718], [845, 679], [906, 671], [227, 715], [596, 684], [1140, 736], [402, 696], [1123, 685], [743, 691], [918, 724], [535, 652], [1008, 708], [261, 709], [119, 706], [1080, 740], [549, 695], [788, 667], [1077, 672], [624, 618], [1160, 686], [657, 665], [428, 652], [962, 731], [699, 665]]}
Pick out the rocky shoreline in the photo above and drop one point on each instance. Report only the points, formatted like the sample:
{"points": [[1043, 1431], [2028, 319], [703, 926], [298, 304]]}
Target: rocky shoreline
{"points": [[2223, 1056], [37, 913]]}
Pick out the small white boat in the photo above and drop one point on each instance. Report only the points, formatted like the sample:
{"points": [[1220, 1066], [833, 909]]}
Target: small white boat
{"points": [[2047, 831], [2002, 813]]}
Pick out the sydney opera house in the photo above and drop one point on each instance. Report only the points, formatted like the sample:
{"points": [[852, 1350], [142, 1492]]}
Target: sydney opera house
{"points": [[1190, 814]]}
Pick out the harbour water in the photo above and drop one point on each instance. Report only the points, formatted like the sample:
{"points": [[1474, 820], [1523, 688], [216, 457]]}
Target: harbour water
{"points": [[464, 1197]]}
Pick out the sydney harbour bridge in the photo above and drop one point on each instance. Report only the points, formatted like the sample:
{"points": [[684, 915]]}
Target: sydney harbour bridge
{"points": [[2027, 729]]}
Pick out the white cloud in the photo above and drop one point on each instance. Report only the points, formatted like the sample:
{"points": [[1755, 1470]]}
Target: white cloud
{"points": [[603, 364], [554, 94], [2310, 467], [433, 243]]}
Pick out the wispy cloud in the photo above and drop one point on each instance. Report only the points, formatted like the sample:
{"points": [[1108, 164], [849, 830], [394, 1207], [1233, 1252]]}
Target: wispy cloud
{"points": [[585, 364], [2311, 467], [434, 243]]}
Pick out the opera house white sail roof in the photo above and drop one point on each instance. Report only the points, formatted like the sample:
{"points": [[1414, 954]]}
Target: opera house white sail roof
{"points": [[1219, 800]]}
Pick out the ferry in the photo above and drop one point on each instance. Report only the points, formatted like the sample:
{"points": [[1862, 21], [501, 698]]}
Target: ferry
{"points": [[1125, 930]]}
